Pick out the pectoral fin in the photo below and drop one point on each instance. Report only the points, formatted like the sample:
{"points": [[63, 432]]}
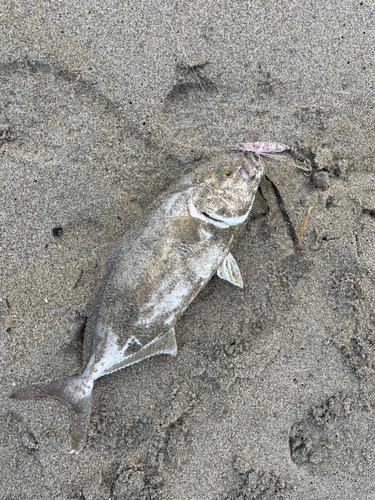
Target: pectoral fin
{"points": [[229, 271]]}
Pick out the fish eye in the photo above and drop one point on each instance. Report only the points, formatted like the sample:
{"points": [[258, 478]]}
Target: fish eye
{"points": [[224, 171]]}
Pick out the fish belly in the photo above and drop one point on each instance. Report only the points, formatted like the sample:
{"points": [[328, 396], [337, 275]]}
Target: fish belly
{"points": [[154, 279]]}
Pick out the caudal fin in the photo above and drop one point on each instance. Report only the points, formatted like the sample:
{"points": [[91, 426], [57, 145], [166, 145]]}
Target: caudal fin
{"points": [[75, 392]]}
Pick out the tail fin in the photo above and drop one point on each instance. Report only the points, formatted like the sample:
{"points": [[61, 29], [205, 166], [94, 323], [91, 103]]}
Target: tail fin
{"points": [[75, 392]]}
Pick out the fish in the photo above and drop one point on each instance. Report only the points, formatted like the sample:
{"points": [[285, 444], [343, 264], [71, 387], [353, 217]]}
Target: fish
{"points": [[152, 274]]}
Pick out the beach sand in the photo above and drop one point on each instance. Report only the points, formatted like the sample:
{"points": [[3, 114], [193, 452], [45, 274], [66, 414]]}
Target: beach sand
{"points": [[272, 394]]}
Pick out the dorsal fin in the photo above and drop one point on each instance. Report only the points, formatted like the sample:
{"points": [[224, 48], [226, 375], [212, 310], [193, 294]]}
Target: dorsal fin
{"points": [[106, 257]]}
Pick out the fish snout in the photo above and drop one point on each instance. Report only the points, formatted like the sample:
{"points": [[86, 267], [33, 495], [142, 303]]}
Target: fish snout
{"points": [[252, 171]]}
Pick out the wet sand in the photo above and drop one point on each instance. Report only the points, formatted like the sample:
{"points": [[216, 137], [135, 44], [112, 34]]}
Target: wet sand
{"points": [[272, 394]]}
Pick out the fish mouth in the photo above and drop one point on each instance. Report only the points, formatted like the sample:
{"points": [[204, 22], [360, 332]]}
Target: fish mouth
{"points": [[215, 219]]}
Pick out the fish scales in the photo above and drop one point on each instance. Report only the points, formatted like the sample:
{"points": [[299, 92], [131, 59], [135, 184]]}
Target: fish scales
{"points": [[151, 276]]}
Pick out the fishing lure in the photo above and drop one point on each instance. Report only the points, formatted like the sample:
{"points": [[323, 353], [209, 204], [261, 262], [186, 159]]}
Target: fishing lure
{"points": [[262, 148]]}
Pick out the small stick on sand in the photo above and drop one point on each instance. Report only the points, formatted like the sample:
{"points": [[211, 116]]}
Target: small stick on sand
{"points": [[78, 280], [285, 215], [302, 229]]}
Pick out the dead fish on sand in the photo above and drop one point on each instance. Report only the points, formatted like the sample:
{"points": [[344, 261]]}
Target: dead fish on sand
{"points": [[149, 279]]}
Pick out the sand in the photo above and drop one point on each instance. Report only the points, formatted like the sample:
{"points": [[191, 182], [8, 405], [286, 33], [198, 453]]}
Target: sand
{"points": [[272, 394]]}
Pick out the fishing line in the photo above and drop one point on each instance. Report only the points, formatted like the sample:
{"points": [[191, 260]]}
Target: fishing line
{"points": [[196, 76]]}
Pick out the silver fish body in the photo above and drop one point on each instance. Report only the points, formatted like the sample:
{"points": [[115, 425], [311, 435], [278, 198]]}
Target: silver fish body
{"points": [[151, 276]]}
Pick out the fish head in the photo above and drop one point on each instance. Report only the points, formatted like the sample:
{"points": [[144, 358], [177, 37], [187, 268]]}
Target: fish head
{"points": [[225, 195]]}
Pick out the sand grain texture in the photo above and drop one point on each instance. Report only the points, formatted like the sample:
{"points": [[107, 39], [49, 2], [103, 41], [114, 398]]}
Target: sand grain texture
{"points": [[272, 394]]}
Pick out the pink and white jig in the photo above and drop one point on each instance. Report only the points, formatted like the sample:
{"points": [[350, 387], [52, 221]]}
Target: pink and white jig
{"points": [[262, 148]]}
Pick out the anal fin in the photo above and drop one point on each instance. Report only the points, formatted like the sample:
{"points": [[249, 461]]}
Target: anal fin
{"points": [[168, 342], [165, 343], [228, 270]]}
